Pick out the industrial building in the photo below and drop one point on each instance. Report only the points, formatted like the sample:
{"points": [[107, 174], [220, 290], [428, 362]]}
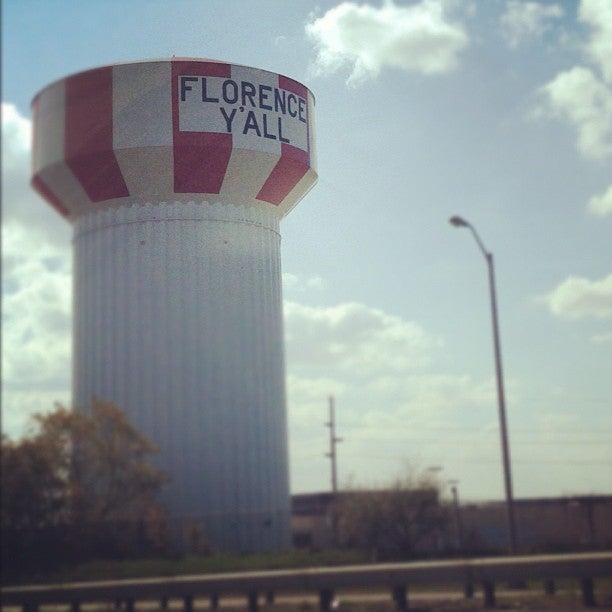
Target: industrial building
{"points": [[555, 524]]}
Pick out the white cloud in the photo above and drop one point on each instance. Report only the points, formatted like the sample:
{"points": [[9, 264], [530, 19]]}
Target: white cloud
{"points": [[602, 338], [598, 15], [601, 205], [379, 369], [36, 326], [417, 38], [578, 297], [579, 96], [16, 135], [425, 398], [36, 287], [294, 282], [19, 201], [354, 338], [527, 20], [583, 95]]}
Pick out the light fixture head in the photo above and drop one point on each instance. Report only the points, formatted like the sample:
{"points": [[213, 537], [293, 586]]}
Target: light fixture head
{"points": [[458, 222]]}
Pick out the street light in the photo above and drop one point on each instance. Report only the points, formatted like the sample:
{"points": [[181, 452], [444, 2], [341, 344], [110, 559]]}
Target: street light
{"points": [[434, 469], [459, 222]]}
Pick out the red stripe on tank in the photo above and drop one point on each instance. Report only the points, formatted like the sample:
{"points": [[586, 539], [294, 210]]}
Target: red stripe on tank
{"points": [[290, 168], [89, 135], [47, 194], [200, 158], [293, 86]]}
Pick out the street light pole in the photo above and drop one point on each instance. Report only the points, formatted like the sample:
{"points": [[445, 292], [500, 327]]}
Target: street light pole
{"points": [[459, 222]]}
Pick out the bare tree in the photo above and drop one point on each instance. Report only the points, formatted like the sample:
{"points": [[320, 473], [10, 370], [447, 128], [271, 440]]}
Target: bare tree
{"points": [[393, 521]]}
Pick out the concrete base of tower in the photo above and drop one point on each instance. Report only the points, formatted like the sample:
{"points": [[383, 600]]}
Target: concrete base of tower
{"points": [[178, 321], [241, 533]]}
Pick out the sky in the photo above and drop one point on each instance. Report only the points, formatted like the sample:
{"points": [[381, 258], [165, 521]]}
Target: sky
{"points": [[497, 111]]}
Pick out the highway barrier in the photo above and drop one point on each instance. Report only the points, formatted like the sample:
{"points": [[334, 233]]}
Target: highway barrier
{"points": [[324, 581]]}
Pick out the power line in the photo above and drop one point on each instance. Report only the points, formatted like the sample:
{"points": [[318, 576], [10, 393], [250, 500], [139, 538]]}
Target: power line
{"points": [[535, 461], [461, 441]]}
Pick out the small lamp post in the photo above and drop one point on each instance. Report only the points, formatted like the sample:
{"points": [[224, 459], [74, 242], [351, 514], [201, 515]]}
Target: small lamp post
{"points": [[457, 512]]}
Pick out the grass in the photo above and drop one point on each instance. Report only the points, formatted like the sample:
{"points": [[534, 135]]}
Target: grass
{"points": [[165, 566]]}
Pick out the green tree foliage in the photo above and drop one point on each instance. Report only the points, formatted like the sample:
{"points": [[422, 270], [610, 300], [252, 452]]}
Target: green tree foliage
{"points": [[81, 484], [395, 521]]}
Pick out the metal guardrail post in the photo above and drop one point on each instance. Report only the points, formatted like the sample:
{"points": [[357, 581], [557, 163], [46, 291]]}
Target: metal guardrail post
{"points": [[326, 597], [588, 592], [400, 597], [252, 599], [489, 593]]}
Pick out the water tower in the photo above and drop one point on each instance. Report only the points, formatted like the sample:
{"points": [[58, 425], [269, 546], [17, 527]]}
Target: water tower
{"points": [[175, 175]]}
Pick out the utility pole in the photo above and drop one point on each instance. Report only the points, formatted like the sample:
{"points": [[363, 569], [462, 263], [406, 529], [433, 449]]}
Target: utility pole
{"points": [[333, 440]]}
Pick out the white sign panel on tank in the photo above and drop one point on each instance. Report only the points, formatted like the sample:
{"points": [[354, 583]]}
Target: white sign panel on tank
{"points": [[252, 106]]}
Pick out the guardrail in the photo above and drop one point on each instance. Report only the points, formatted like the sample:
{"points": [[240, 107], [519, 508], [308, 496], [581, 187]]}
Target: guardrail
{"points": [[396, 577]]}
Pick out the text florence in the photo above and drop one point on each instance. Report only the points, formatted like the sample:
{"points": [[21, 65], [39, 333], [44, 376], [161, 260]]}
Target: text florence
{"points": [[246, 94]]}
